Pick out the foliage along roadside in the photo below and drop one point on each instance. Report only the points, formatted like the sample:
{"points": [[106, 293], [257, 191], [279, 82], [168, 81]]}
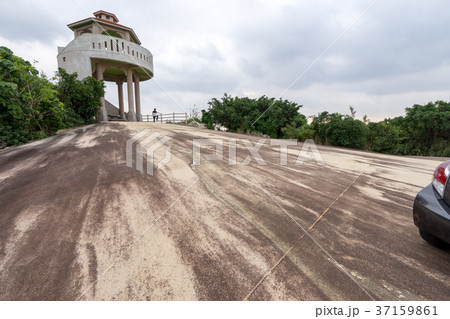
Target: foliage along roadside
{"points": [[33, 107], [424, 130]]}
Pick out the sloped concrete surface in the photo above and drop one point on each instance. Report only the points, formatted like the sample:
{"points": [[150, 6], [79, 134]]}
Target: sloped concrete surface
{"points": [[77, 224]]}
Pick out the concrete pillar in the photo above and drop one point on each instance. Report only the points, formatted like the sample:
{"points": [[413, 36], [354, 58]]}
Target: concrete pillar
{"points": [[137, 95], [121, 108], [103, 115], [131, 113]]}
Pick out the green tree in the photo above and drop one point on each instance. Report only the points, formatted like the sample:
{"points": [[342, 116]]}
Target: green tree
{"points": [[239, 115], [386, 137], [29, 107], [321, 125], [428, 129], [299, 133], [32, 107], [348, 132], [340, 130], [80, 97]]}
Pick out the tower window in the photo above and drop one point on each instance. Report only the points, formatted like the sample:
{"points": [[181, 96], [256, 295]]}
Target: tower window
{"points": [[64, 59]]}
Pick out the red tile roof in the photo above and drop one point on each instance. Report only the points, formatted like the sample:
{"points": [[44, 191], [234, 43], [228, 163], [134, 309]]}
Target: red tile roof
{"points": [[133, 34], [106, 13]]}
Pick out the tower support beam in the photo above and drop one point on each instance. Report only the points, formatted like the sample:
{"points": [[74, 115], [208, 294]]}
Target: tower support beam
{"points": [[103, 115], [137, 94], [131, 113], [120, 92]]}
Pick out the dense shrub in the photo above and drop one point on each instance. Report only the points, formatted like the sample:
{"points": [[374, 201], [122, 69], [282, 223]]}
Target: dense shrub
{"points": [[32, 107], [80, 97], [239, 114], [424, 130]]}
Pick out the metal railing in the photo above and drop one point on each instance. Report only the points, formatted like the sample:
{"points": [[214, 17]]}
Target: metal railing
{"points": [[166, 117]]}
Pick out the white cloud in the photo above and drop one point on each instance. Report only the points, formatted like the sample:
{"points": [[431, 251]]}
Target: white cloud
{"points": [[41, 54]]}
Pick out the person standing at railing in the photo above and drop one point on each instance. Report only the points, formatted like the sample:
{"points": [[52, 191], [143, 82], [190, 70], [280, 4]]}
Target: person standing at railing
{"points": [[155, 115]]}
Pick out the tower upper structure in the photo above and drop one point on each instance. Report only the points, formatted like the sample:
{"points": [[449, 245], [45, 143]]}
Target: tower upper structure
{"points": [[109, 51]]}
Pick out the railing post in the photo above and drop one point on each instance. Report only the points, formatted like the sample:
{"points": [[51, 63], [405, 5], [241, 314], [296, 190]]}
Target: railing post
{"points": [[174, 117], [185, 116], [161, 117]]}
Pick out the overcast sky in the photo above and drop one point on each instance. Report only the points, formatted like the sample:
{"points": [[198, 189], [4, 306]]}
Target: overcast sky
{"points": [[396, 55]]}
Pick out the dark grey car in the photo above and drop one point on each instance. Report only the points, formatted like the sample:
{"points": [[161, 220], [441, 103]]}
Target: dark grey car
{"points": [[431, 209]]}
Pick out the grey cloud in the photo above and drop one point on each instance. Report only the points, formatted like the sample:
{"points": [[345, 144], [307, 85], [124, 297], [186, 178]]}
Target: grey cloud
{"points": [[201, 69], [206, 52], [199, 78], [391, 39], [29, 21]]}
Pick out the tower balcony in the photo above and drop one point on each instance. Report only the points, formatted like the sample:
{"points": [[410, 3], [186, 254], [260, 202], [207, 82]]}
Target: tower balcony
{"points": [[83, 53]]}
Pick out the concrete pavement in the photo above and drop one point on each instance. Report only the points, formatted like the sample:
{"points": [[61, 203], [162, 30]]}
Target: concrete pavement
{"points": [[77, 223]]}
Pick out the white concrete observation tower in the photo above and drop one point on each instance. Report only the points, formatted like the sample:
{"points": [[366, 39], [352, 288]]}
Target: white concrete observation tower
{"points": [[108, 51]]}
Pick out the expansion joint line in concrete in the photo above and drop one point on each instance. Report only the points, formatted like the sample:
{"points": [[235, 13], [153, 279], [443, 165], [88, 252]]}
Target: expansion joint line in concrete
{"points": [[137, 239], [306, 232]]}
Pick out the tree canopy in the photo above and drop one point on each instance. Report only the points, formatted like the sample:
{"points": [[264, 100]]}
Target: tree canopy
{"points": [[424, 130], [238, 115], [32, 106]]}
